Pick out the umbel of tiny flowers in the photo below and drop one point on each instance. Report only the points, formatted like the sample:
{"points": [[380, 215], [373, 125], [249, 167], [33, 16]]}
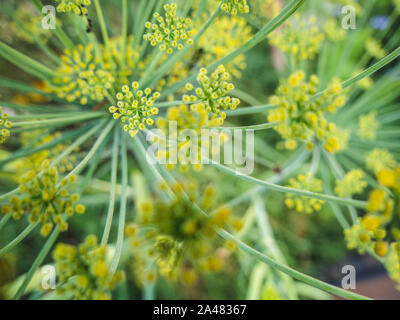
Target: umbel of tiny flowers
{"points": [[300, 38], [170, 32], [135, 108], [352, 183], [235, 6], [378, 230], [212, 94], [368, 125], [46, 198], [301, 203], [5, 125], [374, 48], [31, 18], [378, 159], [79, 7], [81, 75], [84, 271], [224, 35], [300, 117], [194, 119], [179, 235]]}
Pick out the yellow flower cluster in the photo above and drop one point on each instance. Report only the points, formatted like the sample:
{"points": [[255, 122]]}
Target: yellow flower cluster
{"points": [[379, 159], [46, 198], [378, 230], [195, 119], [135, 109], [368, 125], [301, 117], [374, 48], [367, 235], [170, 32], [112, 57], [34, 162], [222, 37], [84, 271], [5, 125], [27, 15], [265, 9], [78, 7], [352, 183], [82, 76], [235, 6], [176, 236], [302, 203], [212, 95], [333, 31], [300, 38]]}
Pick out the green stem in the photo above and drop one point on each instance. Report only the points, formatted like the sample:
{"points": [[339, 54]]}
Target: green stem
{"points": [[18, 238], [275, 187], [93, 150], [38, 261], [122, 210], [4, 220], [250, 110], [261, 126], [102, 24], [24, 62], [124, 33], [366, 73], [292, 272], [111, 203], [58, 120]]}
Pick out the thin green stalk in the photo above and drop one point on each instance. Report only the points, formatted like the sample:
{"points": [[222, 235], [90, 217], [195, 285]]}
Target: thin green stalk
{"points": [[124, 32], [58, 120], [4, 220], [244, 96], [113, 181], [24, 62], [122, 210], [93, 166], [335, 208], [150, 68], [77, 143], [256, 127], [338, 171], [38, 261], [102, 23], [270, 244], [292, 272], [249, 110], [275, 187], [18, 238], [366, 73], [93, 150]]}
